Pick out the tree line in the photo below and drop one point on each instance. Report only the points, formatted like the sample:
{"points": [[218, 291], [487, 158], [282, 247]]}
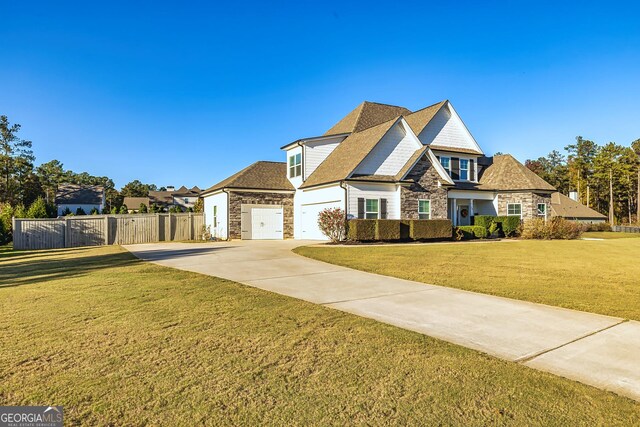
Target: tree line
{"points": [[605, 177], [23, 185]]}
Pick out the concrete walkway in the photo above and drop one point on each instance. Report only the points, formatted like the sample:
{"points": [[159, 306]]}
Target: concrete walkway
{"points": [[598, 350]]}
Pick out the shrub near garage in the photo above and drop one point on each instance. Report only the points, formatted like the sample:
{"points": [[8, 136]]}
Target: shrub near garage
{"points": [[468, 232], [332, 223], [556, 228], [388, 229], [363, 230]]}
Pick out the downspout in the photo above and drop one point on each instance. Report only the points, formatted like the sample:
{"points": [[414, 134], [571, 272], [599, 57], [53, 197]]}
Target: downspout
{"points": [[346, 197]]}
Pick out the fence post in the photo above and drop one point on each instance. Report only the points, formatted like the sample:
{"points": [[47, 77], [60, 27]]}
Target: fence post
{"points": [[16, 233], [170, 238], [190, 225], [106, 229], [67, 233], [158, 226]]}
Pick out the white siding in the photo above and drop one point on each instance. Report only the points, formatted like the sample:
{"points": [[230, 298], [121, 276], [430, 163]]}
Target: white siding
{"points": [[221, 200], [297, 181], [391, 192], [391, 153], [447, 130], [333, 195], [316, 152]]}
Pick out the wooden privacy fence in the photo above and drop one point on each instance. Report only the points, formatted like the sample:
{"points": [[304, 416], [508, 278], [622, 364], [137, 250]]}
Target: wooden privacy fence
{"points": [[95, 230], [625, 228]]}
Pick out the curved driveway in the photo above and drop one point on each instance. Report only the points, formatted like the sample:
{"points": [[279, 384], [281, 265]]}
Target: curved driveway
{"points": [[598, 350]]}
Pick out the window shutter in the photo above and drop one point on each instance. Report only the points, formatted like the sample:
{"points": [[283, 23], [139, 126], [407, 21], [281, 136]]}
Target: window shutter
{"points": [[360, 208], [383, 208], [472, 171], [455, 168]]}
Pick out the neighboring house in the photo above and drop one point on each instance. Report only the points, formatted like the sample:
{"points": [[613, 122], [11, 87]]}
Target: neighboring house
{"points": [[568, 208], [72, 197], [183, 197], [133, 203], [379, 161]]}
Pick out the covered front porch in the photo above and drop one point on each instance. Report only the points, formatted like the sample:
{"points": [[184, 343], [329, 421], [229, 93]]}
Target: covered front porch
{"points": [[462, 206]]}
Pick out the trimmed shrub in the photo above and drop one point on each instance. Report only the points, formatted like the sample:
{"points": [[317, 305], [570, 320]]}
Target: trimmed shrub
{"points": [[332, 223], [430, 229], [556, 228], [472, 232], [361, 229], [509, 225], [483, 221], [388, 229], [94, 211], [80, 211], [124, 209]]}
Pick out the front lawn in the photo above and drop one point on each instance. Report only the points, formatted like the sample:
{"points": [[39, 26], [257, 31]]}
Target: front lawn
{"points": [[609, 235], [596, 276], [121, 342]]}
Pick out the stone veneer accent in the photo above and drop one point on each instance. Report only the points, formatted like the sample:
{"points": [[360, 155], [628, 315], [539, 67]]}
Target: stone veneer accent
{"points": [[236, 199], [529, 201], [425, 187]]}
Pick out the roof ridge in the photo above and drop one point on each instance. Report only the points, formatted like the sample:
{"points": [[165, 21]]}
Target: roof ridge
{"points": [[384, 104], [429, 106]]}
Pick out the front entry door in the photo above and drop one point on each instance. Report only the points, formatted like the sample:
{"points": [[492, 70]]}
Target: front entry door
{"points": [[464, 215]]}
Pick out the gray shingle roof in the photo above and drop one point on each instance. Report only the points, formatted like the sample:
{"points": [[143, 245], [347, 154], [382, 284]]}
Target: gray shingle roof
{"points": [[508, 174], [258, 176], [367, 115], [565, 207], [71, 194]]}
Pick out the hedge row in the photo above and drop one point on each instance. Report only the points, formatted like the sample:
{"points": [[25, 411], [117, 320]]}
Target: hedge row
{"points": [[505, 225], [396, 229], [468, 232]]}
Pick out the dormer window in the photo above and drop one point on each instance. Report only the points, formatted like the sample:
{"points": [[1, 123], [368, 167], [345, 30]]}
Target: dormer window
{"points": [[464, 169], [295, 165]]}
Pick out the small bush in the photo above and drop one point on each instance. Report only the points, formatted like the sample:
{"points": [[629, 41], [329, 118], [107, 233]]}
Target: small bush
{"points": [[484, 221], [124, 209], [388, 229], [20, 211], [333, 224], [38, 209], [143, 208], [598, 226], [510, 225], [114, 210], [430, 229], [472, 232], [556, 228], [361, 229], [94, 211]]}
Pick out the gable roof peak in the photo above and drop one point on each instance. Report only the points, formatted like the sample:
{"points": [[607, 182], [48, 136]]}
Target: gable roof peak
{"points": [[366, 115]]}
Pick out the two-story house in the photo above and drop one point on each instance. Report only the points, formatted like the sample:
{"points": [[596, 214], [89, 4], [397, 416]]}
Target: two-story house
{"points": [[379, 161]]}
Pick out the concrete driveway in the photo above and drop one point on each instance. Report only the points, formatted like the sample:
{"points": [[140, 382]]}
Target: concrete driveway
{"points": [[598, 350]]}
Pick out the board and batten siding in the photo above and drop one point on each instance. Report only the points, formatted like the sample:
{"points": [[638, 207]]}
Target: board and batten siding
{"points": [[391, 192], [390, 154], [221, 200], [447, 130], [316, 152]]}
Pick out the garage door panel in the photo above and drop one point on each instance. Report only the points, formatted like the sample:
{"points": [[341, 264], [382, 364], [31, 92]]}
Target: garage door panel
{"points": [[309, 219], [260, 222]]}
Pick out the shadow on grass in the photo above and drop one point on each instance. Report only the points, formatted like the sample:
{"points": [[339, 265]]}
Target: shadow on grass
{"points": [[162, 254], [34, 270]]}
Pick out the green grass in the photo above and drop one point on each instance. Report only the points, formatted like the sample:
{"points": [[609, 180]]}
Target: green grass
{"points": [[121, 342], [596, 276], [610, 235]]}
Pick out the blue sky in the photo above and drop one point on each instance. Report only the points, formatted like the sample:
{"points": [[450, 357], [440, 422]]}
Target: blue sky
{"points": [[177, 93]]}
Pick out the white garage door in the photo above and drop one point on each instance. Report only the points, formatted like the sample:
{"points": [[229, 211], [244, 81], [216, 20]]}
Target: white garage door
{"points": [[262, 222], [309, 219]]}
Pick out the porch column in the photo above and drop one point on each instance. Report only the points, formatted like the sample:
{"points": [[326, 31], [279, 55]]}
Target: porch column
{"points": [[455, 212], [471, 209]]}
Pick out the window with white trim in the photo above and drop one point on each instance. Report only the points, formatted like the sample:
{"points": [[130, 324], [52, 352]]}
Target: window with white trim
{"points": [[542, 209], [295, 165], [372, 208], [514, 209], [424, 209], [464, 169], [446, 164], [215, 217]]}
